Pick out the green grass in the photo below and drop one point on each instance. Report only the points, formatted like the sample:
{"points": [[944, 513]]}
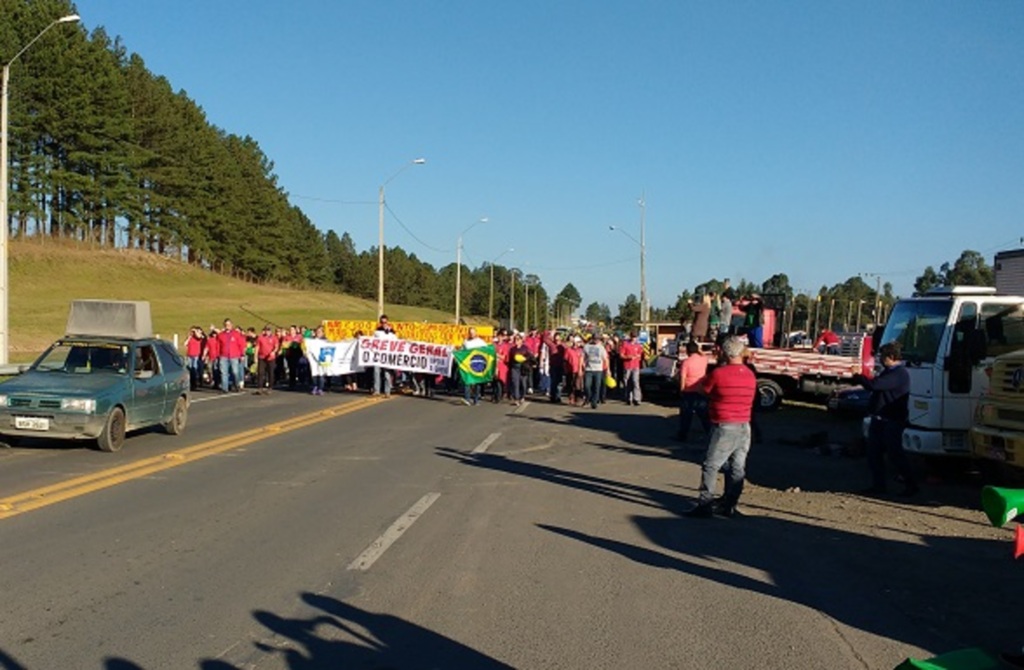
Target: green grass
{"points": [[46, 277]]}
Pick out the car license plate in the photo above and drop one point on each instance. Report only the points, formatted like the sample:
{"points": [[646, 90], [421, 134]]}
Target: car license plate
{"points": [[31, 423]]}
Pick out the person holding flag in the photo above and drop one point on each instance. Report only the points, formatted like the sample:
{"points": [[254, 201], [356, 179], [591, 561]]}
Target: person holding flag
{"points": [[472, 386], [476, 362]]}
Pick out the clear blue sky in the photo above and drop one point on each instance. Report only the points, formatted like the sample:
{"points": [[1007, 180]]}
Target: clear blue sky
{"points": [[822, 138]]}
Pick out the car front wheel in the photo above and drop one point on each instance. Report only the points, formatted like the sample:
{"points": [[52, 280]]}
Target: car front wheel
{"points": [[112, 437]]}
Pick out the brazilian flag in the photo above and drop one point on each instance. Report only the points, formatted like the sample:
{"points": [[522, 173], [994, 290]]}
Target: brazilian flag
{"points": [[476, 366]]}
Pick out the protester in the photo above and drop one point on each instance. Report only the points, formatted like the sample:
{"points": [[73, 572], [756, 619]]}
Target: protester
{"points": [[267, 346], [890, 395], [499, 385], [556, 365], [827, 343], [213, 355], [195, 347], [383, 377], [595, 366], [317, 373], [574, 371], [631, 352], [232, 358], [701, 309], [292, 353], [726, 300], [691, 397], [730, 388], [519, 359], [753, 321], [472, 391]]}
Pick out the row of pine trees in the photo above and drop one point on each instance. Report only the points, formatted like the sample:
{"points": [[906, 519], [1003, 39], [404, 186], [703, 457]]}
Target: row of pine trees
{"points": [[104, 151]]}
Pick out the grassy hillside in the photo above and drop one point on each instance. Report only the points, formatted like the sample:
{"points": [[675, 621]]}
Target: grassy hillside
{"points": [[45, 278]]}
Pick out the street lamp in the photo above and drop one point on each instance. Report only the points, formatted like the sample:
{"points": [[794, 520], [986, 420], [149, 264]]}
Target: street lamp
{"points": [[380, 242], [490, 301], [458, 269], [70, 18]]}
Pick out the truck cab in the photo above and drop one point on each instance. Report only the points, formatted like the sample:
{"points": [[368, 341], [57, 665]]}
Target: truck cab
{"points": [[948, 336]]}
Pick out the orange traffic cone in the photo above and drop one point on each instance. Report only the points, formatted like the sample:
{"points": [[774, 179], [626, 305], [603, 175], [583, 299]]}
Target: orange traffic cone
{"points": [[1018, 542]]}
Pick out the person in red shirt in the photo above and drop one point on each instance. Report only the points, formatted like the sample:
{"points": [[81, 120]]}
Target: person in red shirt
{"points": [[267, 345], [828, 343], [574, 371], [556, 364], [500, 382], [632, 353], [213, 355], [730, 388], [232, 358], [195, 346], [692, 371]]}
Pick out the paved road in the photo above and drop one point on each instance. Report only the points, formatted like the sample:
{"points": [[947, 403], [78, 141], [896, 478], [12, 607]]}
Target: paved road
{"points": [[417, 533]]}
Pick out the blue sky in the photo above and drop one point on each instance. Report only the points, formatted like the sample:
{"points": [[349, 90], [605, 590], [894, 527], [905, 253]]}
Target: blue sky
{"points": [[822, 139]]}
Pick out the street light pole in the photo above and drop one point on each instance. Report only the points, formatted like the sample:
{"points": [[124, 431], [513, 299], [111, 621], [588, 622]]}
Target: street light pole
{"points": [[4, 223], [645, 315], [512, 301], [458, 271], [490, 300], [380, 229]]}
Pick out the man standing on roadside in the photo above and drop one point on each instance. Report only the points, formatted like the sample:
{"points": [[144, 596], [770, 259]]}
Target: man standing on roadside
{"points": [[382, 377], [631, 352], [556, 365], [889, 409], [730, 388]]}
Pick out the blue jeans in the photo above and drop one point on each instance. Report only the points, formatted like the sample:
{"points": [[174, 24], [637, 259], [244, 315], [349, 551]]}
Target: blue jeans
{"points": [[556, 384], [689, 404], [886, 438], [472, 393], [231, 370], [386, 374], [593, 380], [195, 369], [631, 385], [730, 443], [517, 383]]}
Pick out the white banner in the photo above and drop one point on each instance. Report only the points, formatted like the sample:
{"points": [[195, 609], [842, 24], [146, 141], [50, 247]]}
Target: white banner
{"points": [[333, 359], [434, 359]]}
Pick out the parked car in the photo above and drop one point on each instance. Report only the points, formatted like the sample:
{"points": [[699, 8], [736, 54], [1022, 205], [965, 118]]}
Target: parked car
{"points": [[88, 386]]}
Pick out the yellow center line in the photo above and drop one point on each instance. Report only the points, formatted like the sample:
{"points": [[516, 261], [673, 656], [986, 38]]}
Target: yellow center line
{"points": [[96, 481]]}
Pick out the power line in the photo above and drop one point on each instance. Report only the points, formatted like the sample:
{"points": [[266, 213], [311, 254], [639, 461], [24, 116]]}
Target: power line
{"points": [[413, 235]]}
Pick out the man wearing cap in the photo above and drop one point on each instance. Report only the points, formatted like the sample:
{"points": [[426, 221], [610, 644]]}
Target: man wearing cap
{"points": [[730, 388], [631, 352]]}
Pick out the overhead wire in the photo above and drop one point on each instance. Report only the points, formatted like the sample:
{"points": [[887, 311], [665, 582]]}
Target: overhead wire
{"points": [[413, 235]]}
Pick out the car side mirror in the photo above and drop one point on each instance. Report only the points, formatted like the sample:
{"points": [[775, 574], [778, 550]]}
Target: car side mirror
{"points": [[977, 346]]}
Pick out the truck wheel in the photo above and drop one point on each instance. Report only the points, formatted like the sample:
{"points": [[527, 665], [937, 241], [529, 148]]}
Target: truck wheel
{"points": [[112, 437], [769, 395], [176, 424]]}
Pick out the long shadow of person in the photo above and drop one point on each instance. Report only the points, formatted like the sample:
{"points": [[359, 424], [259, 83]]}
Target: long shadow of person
{"points": [[345, 636], [935, 593], [641, 495]]}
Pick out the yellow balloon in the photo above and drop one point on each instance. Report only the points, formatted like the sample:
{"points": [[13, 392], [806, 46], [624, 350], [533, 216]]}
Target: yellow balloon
{"points": [[520, 358], [610, 382]]}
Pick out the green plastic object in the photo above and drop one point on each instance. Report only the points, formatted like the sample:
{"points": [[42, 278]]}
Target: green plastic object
{"points": [[964, 659], [1001, 505]]}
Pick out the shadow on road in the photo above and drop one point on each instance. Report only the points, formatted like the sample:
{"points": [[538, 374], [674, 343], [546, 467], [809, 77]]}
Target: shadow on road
{"points": [[944, 593]]}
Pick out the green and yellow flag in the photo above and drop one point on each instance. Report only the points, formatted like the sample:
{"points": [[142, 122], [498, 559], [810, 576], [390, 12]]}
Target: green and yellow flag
{"points": [[476, 366]]}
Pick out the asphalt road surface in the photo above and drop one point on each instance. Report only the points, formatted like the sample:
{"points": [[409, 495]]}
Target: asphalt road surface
{"points": [[336, 532]]}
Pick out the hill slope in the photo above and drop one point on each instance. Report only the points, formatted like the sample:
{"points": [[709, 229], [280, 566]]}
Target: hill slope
{"points": [[45, 278]]}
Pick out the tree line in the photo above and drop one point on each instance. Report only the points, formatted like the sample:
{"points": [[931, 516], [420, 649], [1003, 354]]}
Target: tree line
{"points": [[106, 152]]}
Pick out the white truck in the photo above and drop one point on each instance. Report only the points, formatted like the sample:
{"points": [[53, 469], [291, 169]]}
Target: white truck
{"points": [[948, 337]]}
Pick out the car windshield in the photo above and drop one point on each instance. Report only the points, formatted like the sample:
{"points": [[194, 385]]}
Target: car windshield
{"points": [[84, 358], [918, 326]]}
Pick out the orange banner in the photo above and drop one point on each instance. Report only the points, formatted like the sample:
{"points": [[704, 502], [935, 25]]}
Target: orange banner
{"points": [[434, 333]]}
